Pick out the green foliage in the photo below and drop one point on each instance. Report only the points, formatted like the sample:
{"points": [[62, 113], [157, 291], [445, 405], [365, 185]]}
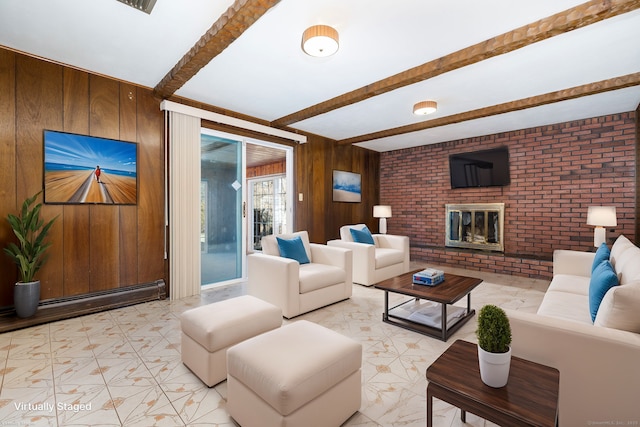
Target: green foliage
{"points": [[31, 231], [494, 330]]}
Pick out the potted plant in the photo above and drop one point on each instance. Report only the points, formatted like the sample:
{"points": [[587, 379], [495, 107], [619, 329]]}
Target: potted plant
{"points": [[494, 345], [28, 254]]}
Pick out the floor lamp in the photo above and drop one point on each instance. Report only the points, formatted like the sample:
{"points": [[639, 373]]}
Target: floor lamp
{"points": [[383, 212], [601, 217]]}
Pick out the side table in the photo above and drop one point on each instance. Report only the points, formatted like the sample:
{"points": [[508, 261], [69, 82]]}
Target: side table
{"points": [[530, 397]]}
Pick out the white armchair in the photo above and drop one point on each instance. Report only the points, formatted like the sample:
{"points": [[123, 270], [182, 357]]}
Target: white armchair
{"points": [[299, 288], [389, 257]]}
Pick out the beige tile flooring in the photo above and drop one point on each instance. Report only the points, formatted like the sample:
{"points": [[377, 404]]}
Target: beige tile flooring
{"points": [[123, 367]]}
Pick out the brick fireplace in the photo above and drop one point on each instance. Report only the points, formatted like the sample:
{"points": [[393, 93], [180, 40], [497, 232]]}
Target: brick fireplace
{"points": [[475, 226]]}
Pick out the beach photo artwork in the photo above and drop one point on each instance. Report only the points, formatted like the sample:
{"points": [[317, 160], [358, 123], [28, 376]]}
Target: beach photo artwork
{"points": [[346, 187], [86, 169]]}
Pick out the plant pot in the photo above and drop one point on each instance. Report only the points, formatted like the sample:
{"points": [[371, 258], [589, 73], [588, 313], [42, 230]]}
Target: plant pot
{"points": [[494, 367], [26, 297]]}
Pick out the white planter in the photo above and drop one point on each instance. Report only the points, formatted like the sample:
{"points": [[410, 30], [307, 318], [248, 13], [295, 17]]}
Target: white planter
{"points": [[494, 367]]}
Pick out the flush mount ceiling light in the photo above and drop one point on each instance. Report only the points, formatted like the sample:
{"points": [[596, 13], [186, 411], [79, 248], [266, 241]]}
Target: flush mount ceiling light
{"points": [[425, 107], [320, 40]]}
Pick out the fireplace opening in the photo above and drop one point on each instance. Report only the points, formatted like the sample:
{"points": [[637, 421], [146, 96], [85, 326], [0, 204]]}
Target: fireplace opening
{"points": [[475, 226]]}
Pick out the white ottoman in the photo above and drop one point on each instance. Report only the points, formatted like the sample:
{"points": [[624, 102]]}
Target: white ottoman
{"points": [[302, 374], [208, 331]]}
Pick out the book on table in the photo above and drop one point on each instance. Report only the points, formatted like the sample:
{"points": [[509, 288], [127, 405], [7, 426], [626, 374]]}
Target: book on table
{"points": [[429, 277]]}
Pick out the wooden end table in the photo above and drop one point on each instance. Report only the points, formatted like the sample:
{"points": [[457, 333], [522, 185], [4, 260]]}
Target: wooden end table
{"points": [[530, 397], [453, 289]]}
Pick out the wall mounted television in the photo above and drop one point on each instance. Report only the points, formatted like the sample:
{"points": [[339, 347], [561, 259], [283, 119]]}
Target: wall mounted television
{"points": [[82, 169], [484, 168]]}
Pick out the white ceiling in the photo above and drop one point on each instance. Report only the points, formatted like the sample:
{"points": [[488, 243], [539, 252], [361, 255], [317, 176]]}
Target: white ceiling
{"points": [[265, 74]]}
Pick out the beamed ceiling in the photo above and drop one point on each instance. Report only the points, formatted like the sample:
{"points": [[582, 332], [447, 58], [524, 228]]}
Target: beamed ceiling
{"points": [[491, 66]]}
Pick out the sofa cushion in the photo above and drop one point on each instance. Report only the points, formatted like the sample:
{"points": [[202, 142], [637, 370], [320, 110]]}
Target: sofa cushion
{"points": [[619, 308], [602, 279], [569, 283], [293, 249], [619, 246], [386, 257], [602, 254], [627, 265], [566, 305], [362, 235], [315, 276]]}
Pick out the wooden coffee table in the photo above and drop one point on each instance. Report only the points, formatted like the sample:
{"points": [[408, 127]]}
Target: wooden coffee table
{"points": [[530, 397], [438, 321]]}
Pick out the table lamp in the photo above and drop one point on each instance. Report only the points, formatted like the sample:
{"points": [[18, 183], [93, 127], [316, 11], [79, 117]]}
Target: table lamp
{"points": [[601, 217], [383, 212]]}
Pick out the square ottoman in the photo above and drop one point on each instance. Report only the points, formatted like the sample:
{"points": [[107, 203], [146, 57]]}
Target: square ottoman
{"points": [[208, 331], [302, 374]]}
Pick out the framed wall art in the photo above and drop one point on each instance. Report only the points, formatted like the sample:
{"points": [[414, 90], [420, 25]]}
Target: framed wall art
{"points": [[347, 187], [82, 169]]}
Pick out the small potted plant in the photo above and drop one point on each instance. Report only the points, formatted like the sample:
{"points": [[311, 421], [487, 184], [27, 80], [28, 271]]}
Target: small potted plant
{"points": [[494, 345], [29, 254]]}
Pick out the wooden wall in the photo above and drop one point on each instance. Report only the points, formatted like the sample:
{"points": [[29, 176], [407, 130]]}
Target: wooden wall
{"points": [[95, 247], [277, 168], [315, 162]]}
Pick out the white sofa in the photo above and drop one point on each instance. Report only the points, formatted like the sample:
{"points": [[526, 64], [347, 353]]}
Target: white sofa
{"points": [[389, 257], [299, 288], [599, 361]]}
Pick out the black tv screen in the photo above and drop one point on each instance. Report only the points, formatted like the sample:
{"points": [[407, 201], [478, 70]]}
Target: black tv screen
{"points": [[484, 168], [88, 169]]}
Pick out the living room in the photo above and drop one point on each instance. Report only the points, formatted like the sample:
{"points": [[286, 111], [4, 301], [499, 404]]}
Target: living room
{"points": [[557, 171]]}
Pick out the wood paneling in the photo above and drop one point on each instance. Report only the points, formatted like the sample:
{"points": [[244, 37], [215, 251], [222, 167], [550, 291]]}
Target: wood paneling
{"points": [[95, 247], [128, 237], [150, 188], [101, 247], [104, 121], [75, 219], [38, 107], [315, 162], [7, 164]]}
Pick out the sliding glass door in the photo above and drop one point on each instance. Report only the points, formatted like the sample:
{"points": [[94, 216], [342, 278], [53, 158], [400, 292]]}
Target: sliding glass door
{"points": [[235, 213], [221, 208]]}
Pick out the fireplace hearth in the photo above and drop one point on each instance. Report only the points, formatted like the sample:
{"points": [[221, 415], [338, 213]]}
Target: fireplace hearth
{"points": [[475, 226]]}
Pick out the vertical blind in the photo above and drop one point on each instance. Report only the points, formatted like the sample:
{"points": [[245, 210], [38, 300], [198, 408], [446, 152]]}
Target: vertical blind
{"points": [[184, 205]]}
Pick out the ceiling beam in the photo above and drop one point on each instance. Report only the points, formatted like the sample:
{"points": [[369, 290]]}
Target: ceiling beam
{"points": [[507, 107], [235, 21], [577, 17]]}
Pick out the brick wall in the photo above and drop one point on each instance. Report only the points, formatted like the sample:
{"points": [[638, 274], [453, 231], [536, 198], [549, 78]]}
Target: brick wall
{"points": [[557, 171]]}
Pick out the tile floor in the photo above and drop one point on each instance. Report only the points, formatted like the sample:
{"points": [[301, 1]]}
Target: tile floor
{"points": [[123, 368]]}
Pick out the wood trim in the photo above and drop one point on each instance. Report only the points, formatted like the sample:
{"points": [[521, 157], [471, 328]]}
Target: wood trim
{"points": [[235, 21], [66, 308], [577, 17], [507, 107]]}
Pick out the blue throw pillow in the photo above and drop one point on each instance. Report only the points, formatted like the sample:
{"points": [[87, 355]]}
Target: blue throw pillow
{"points": [[602, 254], [293, 249], [362, 236], [603, 278]]}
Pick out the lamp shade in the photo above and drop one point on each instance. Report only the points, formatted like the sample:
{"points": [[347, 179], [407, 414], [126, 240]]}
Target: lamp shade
{"points": [[425, 107], [382, 211], [320, 40], [602, 216]]}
